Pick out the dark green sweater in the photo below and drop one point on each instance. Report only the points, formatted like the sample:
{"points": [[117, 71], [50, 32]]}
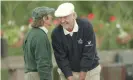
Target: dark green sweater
{"points": [[37, 53]]}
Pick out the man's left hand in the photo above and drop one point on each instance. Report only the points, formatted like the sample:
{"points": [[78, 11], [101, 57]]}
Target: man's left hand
{"points": [[82, 75]]}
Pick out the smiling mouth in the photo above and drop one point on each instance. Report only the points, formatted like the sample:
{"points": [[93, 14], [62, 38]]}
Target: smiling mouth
{"points": [[64, 23]]}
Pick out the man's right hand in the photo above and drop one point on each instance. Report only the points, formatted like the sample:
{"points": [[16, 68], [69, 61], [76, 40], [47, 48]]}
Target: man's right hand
{"points": [[70, 78]]}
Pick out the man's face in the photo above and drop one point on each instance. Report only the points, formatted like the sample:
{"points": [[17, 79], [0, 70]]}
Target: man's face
{"points": [[67, 21]]}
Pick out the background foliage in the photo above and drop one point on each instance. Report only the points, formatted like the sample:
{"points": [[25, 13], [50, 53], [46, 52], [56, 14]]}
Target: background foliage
{"points": [[105, 15], [110, 19]]}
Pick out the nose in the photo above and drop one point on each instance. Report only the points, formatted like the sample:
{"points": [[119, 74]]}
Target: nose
{"points": [[62, 19]]}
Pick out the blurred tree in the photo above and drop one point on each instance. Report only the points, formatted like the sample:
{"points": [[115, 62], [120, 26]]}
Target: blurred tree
{"points": [[101, 12]]}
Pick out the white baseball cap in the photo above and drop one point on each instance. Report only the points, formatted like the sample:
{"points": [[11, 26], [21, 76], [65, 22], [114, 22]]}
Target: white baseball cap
{"points": [[64, 10]]}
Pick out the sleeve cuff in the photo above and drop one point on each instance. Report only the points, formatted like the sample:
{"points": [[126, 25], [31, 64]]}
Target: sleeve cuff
{"points": [[68, 74]]}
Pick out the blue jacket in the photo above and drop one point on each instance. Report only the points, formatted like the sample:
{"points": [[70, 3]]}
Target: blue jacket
{"points": [[78, 52]]}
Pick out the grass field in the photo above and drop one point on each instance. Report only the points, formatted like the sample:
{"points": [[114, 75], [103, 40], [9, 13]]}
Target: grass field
{"points": [[4, 74]]}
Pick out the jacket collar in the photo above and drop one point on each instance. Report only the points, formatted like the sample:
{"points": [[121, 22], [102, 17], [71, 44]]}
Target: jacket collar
{"points": [[75, 29], [44, 29]]}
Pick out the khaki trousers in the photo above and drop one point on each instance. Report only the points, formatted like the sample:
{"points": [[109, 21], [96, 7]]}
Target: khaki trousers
{"points": [[32, 76], [91, 75]]}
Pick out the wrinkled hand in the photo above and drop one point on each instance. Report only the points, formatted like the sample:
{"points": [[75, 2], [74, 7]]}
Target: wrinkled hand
{"points": [[70, 78], [82, 75]]}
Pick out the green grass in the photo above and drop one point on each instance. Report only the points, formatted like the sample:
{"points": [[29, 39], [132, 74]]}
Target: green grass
{"points": [[4, 74], [15, 51]]}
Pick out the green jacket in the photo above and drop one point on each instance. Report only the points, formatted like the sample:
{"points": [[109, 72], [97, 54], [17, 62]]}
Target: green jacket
{"points": [[37, 53]]}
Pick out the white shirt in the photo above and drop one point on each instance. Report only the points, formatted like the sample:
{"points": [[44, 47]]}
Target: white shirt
{"points": [[44, 29], [75, 29]]}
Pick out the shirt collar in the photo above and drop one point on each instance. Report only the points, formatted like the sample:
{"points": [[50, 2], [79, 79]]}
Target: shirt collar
{"points": [[44, 29], [75, 29]]}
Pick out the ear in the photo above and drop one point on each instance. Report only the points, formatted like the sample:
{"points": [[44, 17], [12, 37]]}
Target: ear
{"points": [[45, 18], [74, 15]]}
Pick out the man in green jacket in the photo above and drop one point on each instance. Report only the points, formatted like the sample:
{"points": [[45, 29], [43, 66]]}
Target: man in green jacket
{"points": [[36, 46]]}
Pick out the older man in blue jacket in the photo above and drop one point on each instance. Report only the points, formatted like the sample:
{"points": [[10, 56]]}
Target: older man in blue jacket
{"points": [[74, 45]]}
